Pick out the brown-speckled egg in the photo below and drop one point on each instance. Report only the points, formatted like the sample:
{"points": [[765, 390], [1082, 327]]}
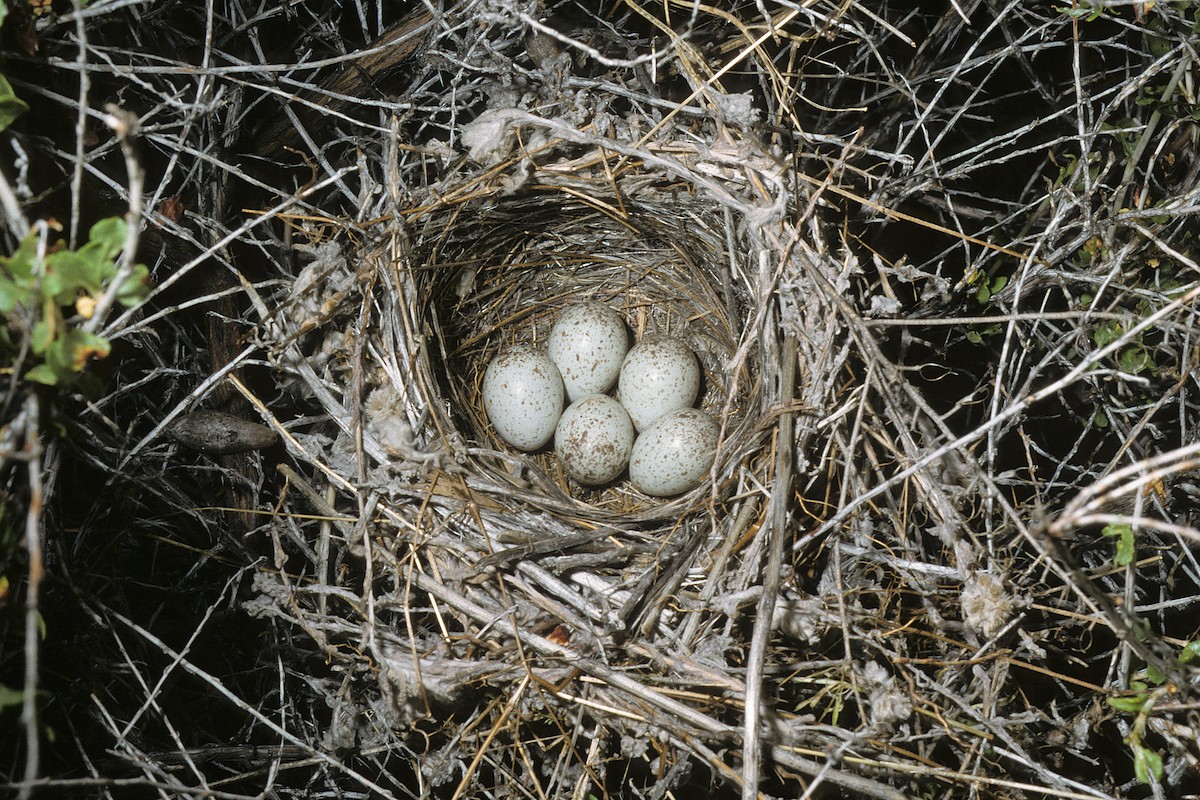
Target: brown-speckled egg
{"points": [[659, 375], [673, 455], [523, 397], [588, 344], [593, 440]]}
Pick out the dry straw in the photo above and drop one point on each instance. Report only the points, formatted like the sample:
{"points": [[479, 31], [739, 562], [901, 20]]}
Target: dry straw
{"points": [[937, 266]]}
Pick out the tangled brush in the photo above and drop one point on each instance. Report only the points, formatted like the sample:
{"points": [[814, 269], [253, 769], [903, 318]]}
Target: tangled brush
{"points": [[937, 269]]}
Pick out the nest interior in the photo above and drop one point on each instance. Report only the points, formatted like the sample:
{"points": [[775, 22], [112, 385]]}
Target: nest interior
{"points": [[491, 275]]}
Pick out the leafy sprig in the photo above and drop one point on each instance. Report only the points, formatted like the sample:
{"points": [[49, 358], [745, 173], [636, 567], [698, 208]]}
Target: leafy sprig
{"points": [[37, 283]]}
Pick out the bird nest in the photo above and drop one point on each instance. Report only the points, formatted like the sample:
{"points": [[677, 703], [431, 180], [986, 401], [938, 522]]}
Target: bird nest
{"points": [[473, 570]]}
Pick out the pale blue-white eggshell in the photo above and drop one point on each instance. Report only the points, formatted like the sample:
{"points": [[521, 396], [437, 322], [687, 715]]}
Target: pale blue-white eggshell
{"points": [[673, 455], [659, 375], [523, 397], [588, 344], [594, 438]]}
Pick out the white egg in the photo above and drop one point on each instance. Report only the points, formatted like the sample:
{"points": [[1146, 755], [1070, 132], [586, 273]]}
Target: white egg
{"points": [[659, 375], [674, 454], [588, 344], [523, 397], [593, 439]]}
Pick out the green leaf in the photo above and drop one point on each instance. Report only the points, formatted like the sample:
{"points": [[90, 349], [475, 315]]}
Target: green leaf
{"points": [[10, 697], [1125, 543], [1113, 531], [134, 289], [1146, 762], [109, 234], [983, 294], [1107, 334], [1191, 651], [1134, 360], [20, 265], [42, 374], [974, 338], [12, 295], [71, 351], [835, 709], [67, 272], [41, 337], [1078, 13], [1154, 676], [1132, 705], [11, 106], [1125, 551]]}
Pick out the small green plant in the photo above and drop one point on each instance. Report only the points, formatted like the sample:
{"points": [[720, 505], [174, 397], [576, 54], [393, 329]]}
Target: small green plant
{"points": [[37, 282], [1123, 534], [1144, 694], [1084, 12], [1132, 358], [11, 106], [41, 278], [985, 288], [977, 335], [985, 292], [1125, 132]]}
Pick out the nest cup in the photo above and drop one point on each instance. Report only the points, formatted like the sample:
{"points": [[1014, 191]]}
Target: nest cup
{"points": [[497, 272]]}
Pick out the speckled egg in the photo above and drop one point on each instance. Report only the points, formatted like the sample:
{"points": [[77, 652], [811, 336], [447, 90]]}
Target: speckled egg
{"points": [[523, 397], [659, 375], [593, 440], [675, 453], [588, 345]]}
